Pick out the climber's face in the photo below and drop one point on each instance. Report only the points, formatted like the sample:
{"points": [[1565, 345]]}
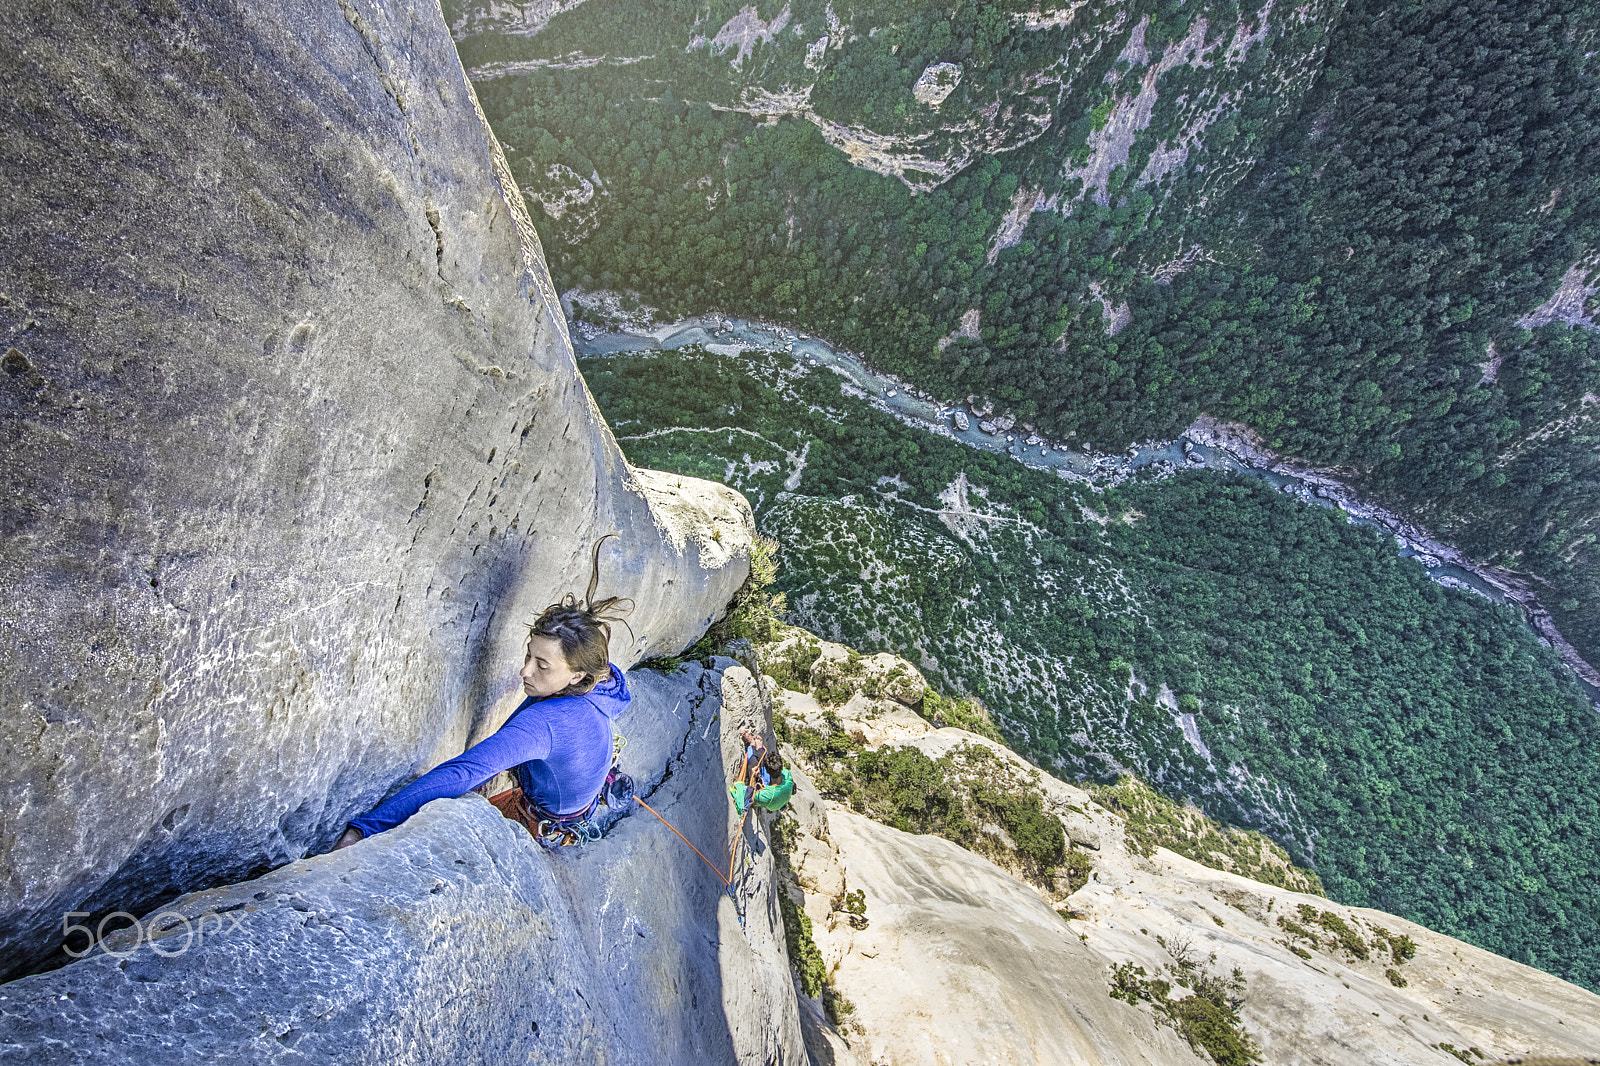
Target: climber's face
{"points": [[545, 671]]}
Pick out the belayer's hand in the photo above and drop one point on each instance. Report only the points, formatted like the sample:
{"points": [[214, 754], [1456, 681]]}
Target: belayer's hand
{"points": [[350, 836]]}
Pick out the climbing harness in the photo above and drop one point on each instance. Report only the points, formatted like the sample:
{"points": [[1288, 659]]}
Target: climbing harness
{"points": [[580, 827]]}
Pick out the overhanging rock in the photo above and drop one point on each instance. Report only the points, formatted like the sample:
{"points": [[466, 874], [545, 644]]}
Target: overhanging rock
{"points": [[455, 938]]}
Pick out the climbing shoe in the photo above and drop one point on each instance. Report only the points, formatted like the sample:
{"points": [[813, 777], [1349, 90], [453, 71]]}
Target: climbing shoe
{"points": [[618, 792]]}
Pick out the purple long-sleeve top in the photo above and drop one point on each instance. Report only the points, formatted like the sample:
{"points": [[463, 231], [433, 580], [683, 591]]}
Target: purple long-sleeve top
{"points": [[560, 748]]}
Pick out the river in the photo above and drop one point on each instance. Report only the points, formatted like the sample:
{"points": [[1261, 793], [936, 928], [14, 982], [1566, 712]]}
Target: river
{"points": [[1206, 445]]}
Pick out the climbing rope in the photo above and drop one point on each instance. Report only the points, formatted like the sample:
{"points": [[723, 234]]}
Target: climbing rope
{"points": [[738, 835], [726, 879]]}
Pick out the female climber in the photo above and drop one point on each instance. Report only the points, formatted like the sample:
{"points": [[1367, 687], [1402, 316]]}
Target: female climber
{"points": [[557, 742]]}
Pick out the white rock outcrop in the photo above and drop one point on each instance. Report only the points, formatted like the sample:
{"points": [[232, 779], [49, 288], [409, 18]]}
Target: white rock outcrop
{"points": [[959, 960]]}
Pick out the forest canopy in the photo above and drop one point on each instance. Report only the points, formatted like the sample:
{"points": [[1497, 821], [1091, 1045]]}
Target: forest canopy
{"points": [[1342, 261], [1415, 745]]}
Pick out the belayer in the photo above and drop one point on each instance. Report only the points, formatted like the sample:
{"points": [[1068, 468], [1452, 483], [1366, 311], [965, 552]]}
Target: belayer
{"points": [[557, 743], [765, 781]]}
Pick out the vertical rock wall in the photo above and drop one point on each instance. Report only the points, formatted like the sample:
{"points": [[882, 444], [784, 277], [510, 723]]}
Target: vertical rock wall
{"points": [[293, 443], [454, 938]]}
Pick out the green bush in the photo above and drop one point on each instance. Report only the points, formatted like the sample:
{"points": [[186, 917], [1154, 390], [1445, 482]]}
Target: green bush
{"points": [[1040, 841], [804, 955], [1216, 1028], [1207, 1019]]}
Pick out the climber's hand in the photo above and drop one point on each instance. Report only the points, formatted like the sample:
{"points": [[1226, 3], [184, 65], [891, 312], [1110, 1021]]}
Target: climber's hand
{"points": [[349, 837]]}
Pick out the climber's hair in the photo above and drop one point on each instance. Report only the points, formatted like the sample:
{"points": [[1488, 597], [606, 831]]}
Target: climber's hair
{"points": [[773, 762], [584, 629]]}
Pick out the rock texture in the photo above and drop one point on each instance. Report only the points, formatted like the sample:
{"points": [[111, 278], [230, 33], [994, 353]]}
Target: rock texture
{"points": [[456, 938], [293, 443], [961, 961]]}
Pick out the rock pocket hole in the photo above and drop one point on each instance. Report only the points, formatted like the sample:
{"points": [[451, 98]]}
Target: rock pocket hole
{"points": [[15, 362], [301, 337]]}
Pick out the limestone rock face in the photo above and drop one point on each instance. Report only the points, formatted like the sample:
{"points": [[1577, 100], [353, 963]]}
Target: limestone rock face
{"points": [[963, 963], [294, 443], [959, 960], [1332, 1008], [455, 938]]}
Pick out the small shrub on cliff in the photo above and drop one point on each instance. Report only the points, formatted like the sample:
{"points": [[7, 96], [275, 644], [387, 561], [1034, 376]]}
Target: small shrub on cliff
{"points": [[754, 613], [1401, 948], [792, 669], [831, 754], [1131, 984], [1076, 868], [1216, 1028], [906, 789], [963, 713], [1209, 1018], [1040, 841], [1346, 937]]}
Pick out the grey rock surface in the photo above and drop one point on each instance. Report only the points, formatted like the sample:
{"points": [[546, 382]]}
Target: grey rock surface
{"points": [[293, 443], [455, 938]]}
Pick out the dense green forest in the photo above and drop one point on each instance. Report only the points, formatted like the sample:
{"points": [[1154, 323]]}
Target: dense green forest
{"points": [[1369, 201], [1416, 745]]}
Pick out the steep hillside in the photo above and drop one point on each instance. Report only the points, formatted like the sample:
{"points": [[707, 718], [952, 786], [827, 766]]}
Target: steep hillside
{"points": [[1366, 230], [927, 952]]}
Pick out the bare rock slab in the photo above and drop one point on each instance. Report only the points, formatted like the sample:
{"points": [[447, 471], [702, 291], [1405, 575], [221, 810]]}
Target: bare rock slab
{"points": [[961, 962]]}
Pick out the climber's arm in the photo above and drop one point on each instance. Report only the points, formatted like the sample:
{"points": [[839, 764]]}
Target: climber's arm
{"points": [[522, 738]]}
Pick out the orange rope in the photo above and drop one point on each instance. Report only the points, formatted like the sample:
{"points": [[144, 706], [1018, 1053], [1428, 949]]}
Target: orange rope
{"points": [[737, 836], [726, 880]]}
